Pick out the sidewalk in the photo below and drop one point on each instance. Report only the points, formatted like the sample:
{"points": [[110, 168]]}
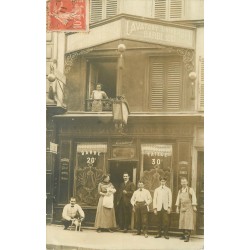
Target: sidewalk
{"points": [[88, 239]]}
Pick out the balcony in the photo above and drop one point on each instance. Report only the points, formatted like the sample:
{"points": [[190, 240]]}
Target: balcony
{"points": [[106, 104]]}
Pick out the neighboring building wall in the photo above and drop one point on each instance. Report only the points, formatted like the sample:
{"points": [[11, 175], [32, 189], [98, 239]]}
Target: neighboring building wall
{"points": [[55, 50], [200, 68]]}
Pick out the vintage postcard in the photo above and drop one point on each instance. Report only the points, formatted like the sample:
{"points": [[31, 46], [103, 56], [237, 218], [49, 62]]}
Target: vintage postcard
{"points": [[125, 124]]}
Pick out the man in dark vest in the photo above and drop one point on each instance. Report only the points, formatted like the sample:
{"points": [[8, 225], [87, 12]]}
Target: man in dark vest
{"points": [[124, 195]]}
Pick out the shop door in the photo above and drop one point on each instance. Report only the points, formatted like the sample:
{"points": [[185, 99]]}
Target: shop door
{"points": [[200, 193], [116, 170], [49, 187]]}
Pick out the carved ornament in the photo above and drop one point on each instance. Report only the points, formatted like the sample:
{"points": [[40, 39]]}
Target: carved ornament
{"points": [[70, 58]]}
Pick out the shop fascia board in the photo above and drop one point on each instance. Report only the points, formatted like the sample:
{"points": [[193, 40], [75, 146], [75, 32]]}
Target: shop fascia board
{"points": [[136, 29]]}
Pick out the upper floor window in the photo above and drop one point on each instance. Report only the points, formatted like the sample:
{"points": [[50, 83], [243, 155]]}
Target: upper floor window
{"points": [[169, 9], [201, 83], [102, 72], [166, 83], [101, 9]]}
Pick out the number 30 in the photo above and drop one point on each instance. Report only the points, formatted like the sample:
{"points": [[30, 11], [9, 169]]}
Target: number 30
{"points": [[157, 161]]}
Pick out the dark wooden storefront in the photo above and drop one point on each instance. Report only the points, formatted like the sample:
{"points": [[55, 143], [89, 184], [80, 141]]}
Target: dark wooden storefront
{"points": [[90, 147]]}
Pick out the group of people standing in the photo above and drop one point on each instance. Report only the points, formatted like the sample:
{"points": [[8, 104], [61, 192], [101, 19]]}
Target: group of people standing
{"points": [[129, 199]]}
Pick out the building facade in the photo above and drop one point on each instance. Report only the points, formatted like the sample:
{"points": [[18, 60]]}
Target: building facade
{"points": [[151, 52]]}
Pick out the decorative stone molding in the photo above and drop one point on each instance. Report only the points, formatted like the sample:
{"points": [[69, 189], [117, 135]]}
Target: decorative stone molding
{"points": [[188, 56], [71, 57]]}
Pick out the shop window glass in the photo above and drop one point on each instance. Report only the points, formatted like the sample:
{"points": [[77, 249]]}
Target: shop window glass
{"points": [[90, 162], [156, 163]]}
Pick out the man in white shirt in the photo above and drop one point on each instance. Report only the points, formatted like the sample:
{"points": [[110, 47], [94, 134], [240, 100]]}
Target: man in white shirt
{"points": [[140, 201], [71, 212], [162, 204]]}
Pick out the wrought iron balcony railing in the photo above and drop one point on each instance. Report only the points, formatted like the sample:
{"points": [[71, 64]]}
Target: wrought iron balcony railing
{"points": [[106, 104]]}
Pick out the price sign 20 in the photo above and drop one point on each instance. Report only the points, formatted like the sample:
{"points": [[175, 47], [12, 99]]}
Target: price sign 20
{"points": [[91, 160]]}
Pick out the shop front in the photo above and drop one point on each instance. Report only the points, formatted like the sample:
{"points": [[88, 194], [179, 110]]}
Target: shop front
{"points": [[89, 148], [148, 62]]}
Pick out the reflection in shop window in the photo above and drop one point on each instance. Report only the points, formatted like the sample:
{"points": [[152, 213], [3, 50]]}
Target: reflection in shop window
{"points": [[90, 161]]}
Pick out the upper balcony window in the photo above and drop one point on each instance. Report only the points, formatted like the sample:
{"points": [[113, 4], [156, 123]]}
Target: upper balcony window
{"points": [[169, 9], [166, 84], [104, 73], [101, 9]]}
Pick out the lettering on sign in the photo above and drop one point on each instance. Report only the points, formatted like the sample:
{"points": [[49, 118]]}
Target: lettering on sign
{"points": [[123, 152], [124, 142], [184, 172], [159, 33], [91, 160], [156, 161], [64, 169]]}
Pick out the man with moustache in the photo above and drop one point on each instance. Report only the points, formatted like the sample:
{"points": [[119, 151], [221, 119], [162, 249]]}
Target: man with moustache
{"points": [[186, 205], [124, 195], [71, 212]]}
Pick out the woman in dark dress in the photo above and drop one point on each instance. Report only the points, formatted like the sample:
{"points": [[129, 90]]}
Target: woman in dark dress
{"points": [[105, 217]]}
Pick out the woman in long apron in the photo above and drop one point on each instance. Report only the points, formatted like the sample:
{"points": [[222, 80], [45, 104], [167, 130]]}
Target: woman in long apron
{"points": [[186, 205], [105, 217]]}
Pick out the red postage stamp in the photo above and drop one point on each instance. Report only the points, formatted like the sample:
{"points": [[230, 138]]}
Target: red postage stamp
{"points": [[67, 15]]}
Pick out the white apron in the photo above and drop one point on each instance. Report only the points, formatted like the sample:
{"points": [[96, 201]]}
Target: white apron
{"points": [[186, 212]]}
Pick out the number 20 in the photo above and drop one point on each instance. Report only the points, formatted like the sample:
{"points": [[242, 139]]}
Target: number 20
{"points": [[90, 160]]}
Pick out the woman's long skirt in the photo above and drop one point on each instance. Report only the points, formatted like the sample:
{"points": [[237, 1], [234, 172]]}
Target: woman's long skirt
{"points": [[105, 217]]}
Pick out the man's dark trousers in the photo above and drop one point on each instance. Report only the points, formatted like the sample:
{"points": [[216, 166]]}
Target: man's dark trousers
{"points": [[66, 223], [124, 214], [141, 214], [163, 221]]}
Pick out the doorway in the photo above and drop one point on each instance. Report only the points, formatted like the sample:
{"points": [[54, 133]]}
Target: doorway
{"points": [[116, 170], [200, 192], [103, 71]]}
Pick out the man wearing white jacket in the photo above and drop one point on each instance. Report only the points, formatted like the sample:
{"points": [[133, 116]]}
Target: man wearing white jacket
{"points": [[70, 212], [162, 203]]}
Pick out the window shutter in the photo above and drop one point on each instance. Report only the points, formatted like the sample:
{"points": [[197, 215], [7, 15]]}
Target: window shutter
{"points": [[157, 81], [201, 83], [111, 8], [173, 91], [176, 9], [160, 9], [96, 11]]}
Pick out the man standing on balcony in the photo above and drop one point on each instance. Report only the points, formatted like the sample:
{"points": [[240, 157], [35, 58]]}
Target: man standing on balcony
{"points": [[97, 96], [162, 203], [186, 200], [124, 195]]}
